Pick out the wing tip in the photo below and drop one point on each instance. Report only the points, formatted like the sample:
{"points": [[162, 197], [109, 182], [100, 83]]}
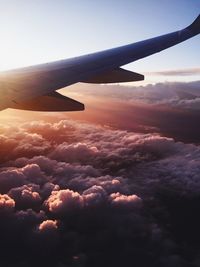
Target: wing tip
{"points": [[195, 26], [82, 107]]}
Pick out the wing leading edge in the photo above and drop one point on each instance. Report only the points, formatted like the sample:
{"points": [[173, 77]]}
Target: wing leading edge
{"points": [[20, 87]]}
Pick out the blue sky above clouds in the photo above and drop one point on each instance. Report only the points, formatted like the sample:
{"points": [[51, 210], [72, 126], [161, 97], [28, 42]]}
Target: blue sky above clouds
{"points": [[40, 31]]}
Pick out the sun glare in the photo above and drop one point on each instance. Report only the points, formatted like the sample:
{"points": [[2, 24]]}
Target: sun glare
{"points": [[13, 56]]}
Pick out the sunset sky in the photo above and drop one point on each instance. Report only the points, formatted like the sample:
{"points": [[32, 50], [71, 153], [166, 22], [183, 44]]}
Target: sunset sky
{"points": [[119, 183], [35, 32]]}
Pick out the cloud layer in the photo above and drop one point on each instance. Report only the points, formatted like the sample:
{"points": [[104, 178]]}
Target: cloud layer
{"points": [[178, 72], [170, 109], [85, 195]]}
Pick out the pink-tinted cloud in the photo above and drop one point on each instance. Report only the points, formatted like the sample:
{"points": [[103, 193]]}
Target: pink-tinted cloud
{"points": [[48, 225], [63, 201], [118, 199], [73, 152], [178, 72], [95, 195], [7, 204]]}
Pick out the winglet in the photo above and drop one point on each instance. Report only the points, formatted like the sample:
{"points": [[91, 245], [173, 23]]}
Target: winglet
{"points": [[195, 26]]}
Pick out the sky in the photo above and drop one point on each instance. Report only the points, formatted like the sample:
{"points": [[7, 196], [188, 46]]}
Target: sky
{"points": [[117, 184], [35, 32]]}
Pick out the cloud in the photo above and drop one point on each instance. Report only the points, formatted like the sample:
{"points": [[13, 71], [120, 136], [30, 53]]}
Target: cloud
{"points": [[158, 93], [179, 72], [48, 225], [73, 152], [62, 201], [118, 199], [170, 109], [95, 195], [22, 143], [10, 179], [26, 196], [7, 204]]}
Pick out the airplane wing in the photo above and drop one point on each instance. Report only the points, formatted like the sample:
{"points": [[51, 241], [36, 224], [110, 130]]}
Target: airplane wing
{"points": [[33, 88]]}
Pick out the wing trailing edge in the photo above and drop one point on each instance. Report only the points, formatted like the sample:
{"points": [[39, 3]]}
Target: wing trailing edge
{"points": [[115, 76], [51, 102]]}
